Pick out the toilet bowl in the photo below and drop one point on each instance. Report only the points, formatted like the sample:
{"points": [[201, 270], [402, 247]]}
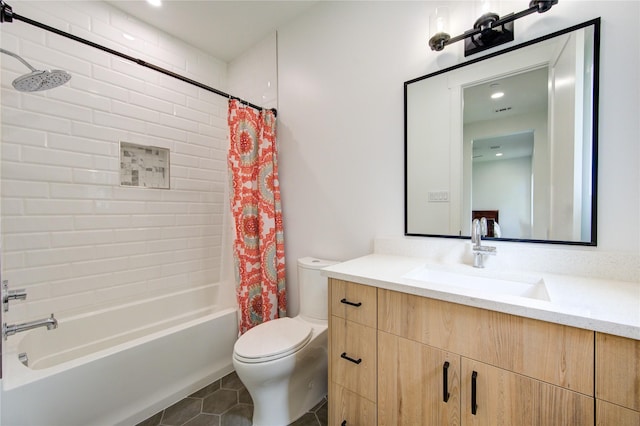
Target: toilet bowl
{"points": [[283, 362]]}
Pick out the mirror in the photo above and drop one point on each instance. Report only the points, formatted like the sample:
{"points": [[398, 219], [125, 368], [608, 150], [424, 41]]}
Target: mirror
{"points": [[511, 136]]}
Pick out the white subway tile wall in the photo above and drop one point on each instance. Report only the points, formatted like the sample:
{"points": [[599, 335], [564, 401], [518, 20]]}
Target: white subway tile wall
{"points": [[71, 235]]}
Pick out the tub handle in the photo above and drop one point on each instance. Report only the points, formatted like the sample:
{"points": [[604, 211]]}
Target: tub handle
{"points": [[8, 295], [355, 361]]}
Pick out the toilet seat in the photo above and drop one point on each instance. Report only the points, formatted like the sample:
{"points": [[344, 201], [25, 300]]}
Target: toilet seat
{"points": [[272, 340]]}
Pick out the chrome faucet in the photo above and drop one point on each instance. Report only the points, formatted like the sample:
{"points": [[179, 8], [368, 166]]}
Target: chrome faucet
{"points": [[478, 230], [10, 330]]}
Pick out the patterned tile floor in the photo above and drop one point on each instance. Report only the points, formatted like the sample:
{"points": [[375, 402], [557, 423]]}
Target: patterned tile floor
{"points": [[224, 402]]}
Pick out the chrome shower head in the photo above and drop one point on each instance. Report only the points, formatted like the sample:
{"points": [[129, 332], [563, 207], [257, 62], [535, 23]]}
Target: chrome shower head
{"points": [[41, 80], [37, 80]]}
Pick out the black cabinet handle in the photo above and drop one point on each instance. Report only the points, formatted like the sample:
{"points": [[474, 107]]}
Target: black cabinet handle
{"points": [[474, 406], [445, 382], [355, 361], [346, 302], [344, 423]]}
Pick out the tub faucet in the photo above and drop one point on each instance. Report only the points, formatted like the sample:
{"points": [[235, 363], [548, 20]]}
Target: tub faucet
{"points": [[478, 229], [10, 330]]}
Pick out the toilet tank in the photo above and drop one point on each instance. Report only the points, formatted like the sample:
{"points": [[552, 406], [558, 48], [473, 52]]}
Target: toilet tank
{"points": [[312, 287]]}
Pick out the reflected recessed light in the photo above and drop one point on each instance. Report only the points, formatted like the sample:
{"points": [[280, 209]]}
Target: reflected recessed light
{"points": [[156, 3], [499, 154], [128, 36], [497, 95]]}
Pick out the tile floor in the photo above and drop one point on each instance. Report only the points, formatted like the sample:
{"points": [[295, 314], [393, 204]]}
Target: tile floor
{"points": [[224, 402]]}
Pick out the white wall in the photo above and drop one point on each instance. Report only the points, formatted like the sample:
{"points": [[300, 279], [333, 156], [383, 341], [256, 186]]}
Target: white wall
{"points": [[72, 236], [253, 76], [341, 71], [505, 186]]}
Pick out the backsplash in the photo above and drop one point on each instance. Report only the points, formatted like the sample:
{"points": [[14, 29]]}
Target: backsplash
{"points": [[72, 235], [567, 260]]}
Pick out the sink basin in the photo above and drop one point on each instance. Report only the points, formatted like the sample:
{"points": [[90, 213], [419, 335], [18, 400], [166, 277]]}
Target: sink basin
{"points": [[531, 287]]}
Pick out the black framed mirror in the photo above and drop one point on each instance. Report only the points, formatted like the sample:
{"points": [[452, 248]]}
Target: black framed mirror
{"points": [[511, 136]]}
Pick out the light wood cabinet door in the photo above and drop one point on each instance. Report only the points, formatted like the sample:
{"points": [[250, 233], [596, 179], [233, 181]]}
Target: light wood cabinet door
{"points": [[608, 414], [353, 357], [552, 353], [349, 409], [618, 370], [355, 302], [417, 384], [495, 397]]}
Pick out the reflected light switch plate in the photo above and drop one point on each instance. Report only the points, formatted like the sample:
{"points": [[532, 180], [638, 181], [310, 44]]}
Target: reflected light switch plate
{"points": [[438, 196]]}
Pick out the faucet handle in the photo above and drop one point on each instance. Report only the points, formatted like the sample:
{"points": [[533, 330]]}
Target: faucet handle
{"points": [[8, 295], [475, 231], [483, 226]]}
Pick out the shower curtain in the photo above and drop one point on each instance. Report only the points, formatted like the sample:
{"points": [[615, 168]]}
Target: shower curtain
{"points": [[257, 214]]}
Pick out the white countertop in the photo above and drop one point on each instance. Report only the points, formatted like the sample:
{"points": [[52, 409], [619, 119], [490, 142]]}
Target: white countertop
{"points": [[607, 306]]}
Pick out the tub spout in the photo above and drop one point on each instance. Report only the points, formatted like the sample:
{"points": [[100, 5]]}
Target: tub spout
{"points": [[10, 330]]}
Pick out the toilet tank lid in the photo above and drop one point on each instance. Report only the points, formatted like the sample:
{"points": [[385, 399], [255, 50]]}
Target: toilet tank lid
{"points": [[315, 263]]}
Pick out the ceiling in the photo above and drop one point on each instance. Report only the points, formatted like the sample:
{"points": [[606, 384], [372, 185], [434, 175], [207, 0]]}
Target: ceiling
{"points": [[505, 147], [524, 93], [225, 29]]}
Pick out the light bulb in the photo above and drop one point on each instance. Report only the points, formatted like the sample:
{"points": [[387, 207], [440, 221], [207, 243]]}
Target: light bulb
{"points": [[441, 20]]}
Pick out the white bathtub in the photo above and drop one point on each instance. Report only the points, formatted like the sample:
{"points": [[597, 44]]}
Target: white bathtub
{"points": [[118, 366]]}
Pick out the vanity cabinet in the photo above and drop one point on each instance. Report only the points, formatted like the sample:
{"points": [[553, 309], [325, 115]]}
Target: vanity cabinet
{"points": [[412, 360], [352, 353], [553, 353], [617, 381], [499, 369]]}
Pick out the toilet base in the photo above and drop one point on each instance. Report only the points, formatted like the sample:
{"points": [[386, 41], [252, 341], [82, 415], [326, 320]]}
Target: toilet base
{"points": [[284, 390]]}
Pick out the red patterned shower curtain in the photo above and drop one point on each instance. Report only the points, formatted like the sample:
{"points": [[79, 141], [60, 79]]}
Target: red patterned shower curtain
{"points": [[255, 206]]}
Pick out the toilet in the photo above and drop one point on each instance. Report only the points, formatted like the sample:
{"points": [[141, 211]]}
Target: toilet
{"points": [[283, 362]]}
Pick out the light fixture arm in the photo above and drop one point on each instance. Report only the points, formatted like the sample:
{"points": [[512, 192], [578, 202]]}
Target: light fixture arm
{"points": [[440, 40]]}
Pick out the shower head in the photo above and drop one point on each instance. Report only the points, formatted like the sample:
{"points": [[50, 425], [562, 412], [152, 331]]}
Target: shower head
{"points": [[37, 80], [41, 80]]}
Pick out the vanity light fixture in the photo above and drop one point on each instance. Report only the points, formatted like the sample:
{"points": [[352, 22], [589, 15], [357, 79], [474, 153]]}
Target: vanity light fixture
{"points": [[489, 30]]}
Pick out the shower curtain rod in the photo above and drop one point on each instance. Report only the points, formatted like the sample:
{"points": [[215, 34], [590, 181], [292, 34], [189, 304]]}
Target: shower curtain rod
{"points": [[7, 15]]}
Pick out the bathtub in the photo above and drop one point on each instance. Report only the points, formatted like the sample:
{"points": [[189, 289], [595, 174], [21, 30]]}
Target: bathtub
{"points": [[118, 366]]}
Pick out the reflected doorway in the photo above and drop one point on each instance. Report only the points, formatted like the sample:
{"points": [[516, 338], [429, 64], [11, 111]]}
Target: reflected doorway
{"points": [[502, 181]]}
